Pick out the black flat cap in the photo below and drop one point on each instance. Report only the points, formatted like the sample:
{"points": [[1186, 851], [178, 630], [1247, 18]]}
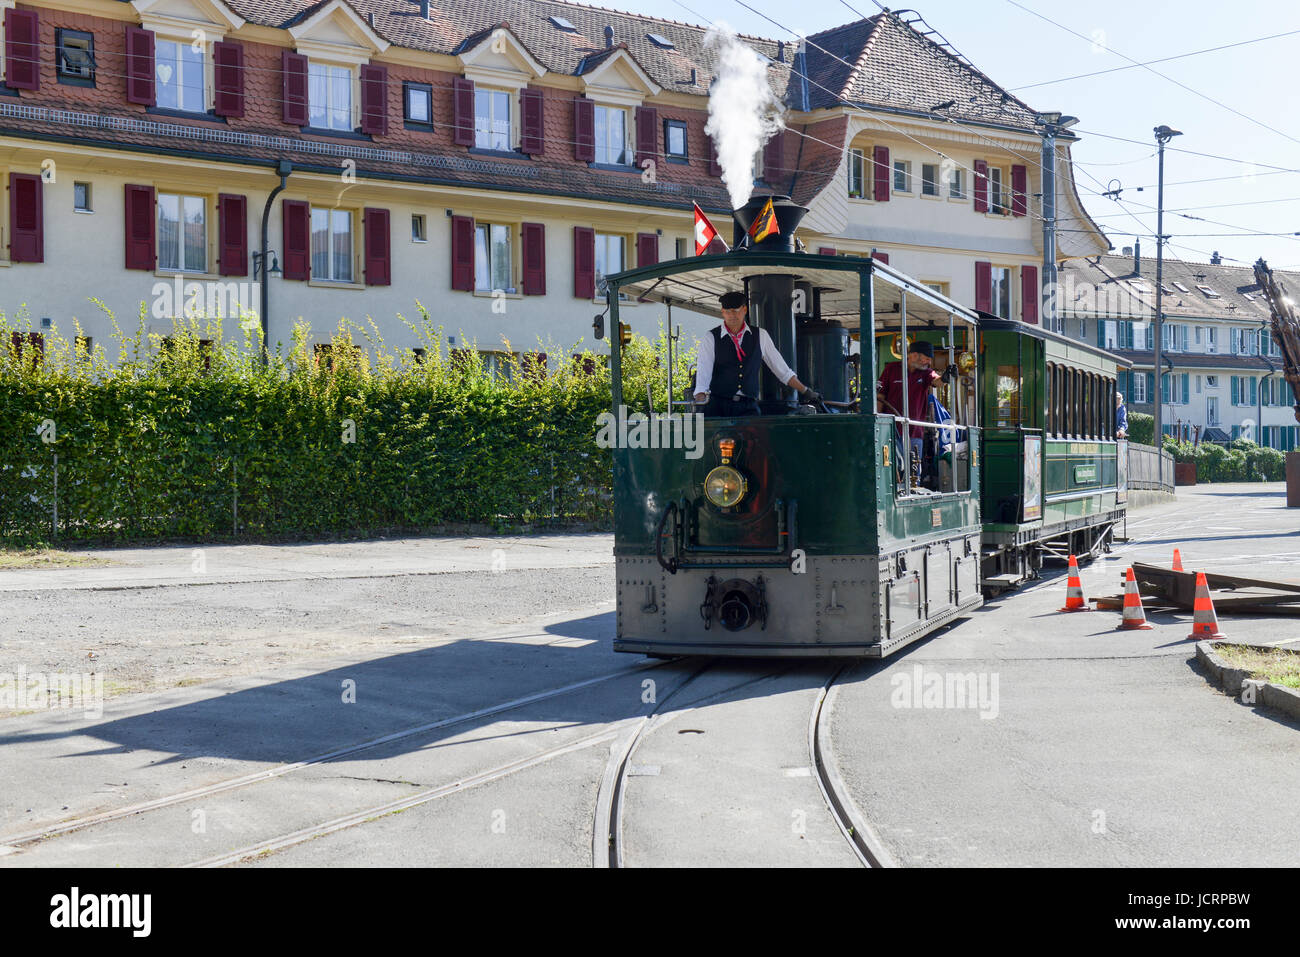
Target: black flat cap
{"points": [[732, 300], [922, 347]]}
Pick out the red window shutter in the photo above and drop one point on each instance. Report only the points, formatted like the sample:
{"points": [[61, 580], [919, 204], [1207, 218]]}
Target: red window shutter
{"points": [[584, 262], [462, 95], [139, 67], [374, 100], [880, 170], [826, 251], [379, 270], [774, 158], [534, 240], [715, 168], [647, 249], [984, 287], [228, 79], [462, 253], [881, 257], [140, 250], [232, 215], [532, 137], [293, 88], [584, 130], [1019, 185], [981, 186], [647, 135], [26, 219], [1029, 294], [22, 49], [296, 226]]}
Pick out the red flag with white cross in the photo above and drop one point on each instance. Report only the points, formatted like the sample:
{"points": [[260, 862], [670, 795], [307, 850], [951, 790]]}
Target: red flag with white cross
{"points": [[705, 233]]}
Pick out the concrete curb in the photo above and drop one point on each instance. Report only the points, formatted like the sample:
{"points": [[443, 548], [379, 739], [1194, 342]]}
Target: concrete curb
{"points": [[1237, 682]]}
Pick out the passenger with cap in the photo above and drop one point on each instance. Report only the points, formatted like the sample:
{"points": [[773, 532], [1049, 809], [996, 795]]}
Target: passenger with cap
{"points": [[728, 373], [921, 378]]}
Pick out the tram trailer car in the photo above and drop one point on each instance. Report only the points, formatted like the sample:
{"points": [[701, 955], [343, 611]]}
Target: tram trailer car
{"points": [[791, 534], [1055, 475]]}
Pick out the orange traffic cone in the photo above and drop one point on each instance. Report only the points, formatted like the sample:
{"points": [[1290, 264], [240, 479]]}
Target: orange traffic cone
{"points": [[1074, 600], [1134, 616], [1205, 623], [1178, 561]]}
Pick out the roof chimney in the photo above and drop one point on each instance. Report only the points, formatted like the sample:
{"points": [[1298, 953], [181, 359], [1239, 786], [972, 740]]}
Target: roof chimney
{"points": [[1127, 251], [1137, 255], [1216, 259], [609, 37], [780, 51]]}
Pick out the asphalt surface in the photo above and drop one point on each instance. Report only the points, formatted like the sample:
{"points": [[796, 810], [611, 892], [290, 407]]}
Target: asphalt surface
{"points": [[479, 672]]}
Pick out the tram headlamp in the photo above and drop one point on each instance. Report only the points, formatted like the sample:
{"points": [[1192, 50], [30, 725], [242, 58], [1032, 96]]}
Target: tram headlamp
{"points": [[896, 345], [966, 362], [724, 486]]}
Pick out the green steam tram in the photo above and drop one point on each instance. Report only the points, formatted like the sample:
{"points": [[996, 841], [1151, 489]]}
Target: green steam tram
{"points": [[799, 531]]}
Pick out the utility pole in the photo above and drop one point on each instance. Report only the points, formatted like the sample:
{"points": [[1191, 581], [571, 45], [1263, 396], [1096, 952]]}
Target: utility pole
{"points": [[1163, 135], [1052, 124]]}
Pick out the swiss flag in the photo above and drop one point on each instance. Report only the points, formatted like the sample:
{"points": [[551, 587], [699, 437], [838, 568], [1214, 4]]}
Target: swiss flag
{"points": [[704, 232]]}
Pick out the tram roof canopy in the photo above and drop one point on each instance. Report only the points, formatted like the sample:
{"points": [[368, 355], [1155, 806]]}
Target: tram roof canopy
{"points": [[696, 284]]}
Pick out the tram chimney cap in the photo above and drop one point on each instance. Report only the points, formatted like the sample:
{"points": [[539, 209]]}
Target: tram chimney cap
{"points": [[732, 300], [922, 347]]}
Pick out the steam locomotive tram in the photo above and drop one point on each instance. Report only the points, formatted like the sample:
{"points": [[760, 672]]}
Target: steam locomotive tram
{"points": [[796, 532]]}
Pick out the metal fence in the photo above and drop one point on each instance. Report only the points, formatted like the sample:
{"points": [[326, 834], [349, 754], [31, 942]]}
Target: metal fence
{"points": [[1149, 468]]}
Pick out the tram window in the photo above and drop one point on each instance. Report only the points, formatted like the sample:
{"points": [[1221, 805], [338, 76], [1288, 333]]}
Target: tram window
{"points": [[1008, 397], [1076, 404], [1089, 428], [1061, 403], [1051, 413]]}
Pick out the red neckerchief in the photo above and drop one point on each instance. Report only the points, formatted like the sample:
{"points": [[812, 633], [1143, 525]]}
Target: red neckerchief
{"points": [[735, 338]]}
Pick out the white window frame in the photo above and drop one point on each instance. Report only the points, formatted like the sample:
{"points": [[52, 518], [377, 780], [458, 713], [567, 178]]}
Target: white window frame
{"points": [[1139, 396], [906, 171], [90, 197], [1212, 410], [858, 157], [936, 182], [491, 95], [180, 248], [603, 147], [419, 228], [997, 206], [607, 239], [331, 110], [485, 256], [335, 215], [182, 78], [993, 291], [957, 179]]}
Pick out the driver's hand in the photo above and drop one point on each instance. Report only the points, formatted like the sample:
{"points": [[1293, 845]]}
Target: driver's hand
{"points": [[701, 397], [812, 395]]}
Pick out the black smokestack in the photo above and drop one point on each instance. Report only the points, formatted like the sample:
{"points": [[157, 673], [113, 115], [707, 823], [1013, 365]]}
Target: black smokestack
{"points": [[788, 216]]}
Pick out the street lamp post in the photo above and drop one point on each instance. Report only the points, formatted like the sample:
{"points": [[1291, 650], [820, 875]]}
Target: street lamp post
{"points": [[1163, 135]]}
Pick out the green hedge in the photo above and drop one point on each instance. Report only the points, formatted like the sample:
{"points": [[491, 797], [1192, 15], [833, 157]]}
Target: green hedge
{"points": [[170, 442], [1240, 461], [1141, 428]]}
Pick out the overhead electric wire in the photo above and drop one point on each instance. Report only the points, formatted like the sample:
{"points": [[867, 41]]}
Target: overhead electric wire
{"points": [[1163, 76], [1133, 66]]}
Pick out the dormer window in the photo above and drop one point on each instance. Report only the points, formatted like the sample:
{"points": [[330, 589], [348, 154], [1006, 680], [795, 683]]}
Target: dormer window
{"points": [[1209, 291], [560, 23], [329, 97], [76, 56], [611, 136], [660, 41], [491, 120], [179, 76]]}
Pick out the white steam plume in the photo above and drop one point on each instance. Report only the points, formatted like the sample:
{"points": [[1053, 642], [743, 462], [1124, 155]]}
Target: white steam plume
{"points": [[744, 113]]}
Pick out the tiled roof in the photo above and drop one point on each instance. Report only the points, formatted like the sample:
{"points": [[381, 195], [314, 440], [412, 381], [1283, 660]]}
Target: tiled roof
{"points": [[894, 65], [1239, 298], [561, 51]]}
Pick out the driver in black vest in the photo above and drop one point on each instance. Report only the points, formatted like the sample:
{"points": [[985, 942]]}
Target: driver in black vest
{"points": [[728, 369]]}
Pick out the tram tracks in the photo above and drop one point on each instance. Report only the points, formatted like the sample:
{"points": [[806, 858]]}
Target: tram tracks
{"points": [[609, 846], [69, 826]]}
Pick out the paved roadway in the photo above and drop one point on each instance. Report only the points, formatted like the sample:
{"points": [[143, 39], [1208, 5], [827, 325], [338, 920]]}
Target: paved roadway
{"points": [[1102, 747]]}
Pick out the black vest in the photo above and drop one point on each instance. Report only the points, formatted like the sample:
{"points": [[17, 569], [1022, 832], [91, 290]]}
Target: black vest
{"points": [[730, 374]]}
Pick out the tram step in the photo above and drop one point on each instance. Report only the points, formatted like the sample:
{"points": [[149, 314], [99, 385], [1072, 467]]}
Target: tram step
{"points": [[1006, 580]]}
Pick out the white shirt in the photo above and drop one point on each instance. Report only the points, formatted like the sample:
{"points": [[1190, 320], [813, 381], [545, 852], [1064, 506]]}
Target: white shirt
{"points": [[772, 357]]}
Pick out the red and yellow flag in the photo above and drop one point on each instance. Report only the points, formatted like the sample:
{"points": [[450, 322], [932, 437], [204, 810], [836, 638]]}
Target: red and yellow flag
{"points": [[764, 223]]}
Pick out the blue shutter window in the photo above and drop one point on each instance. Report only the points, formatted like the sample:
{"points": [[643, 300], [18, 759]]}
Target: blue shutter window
{"points": [[1236, 391], [1253, 393]]}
